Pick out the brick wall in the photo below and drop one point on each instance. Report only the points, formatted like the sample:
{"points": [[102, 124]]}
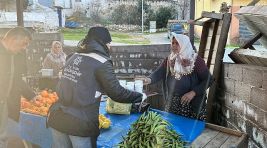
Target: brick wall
{"points": [[244, 101], [138, 59]]}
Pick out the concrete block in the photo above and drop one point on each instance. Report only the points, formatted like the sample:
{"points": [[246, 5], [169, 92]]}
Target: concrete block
{"points": [[256, 134], [231, 116], [225, 70], [229, 85], [264, 85], [235, 72], [258, 97], [232, 101], [242, 90], [252, 144], [253, 76], [256, 115], [241, 122]]}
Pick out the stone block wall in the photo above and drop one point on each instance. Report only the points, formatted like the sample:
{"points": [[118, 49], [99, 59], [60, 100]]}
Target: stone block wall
{"points": [[244, 103], [138, 59]]}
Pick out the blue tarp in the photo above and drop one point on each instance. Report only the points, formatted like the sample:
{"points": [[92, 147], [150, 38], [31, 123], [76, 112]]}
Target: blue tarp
{"points": [[32, 128], [72, 24]]}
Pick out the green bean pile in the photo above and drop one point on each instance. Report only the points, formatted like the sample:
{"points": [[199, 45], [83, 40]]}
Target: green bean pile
{"points": [[150, 130]]}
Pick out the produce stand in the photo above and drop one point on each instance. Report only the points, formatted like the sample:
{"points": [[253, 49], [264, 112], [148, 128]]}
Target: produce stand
{"points": [[32, 128]]}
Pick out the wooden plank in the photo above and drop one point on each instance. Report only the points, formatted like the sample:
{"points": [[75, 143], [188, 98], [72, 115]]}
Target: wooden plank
{"points": [[215, 29], [224, 129], [209, 41], [255, 60], [253, 2], [218, 140], [234, 56], [206, 54], [218, 31], [243, 141], [212, 15], [217, 67], [230, 142], [250, 42], [206, 136], [213, 58], [263, 60], [201, 21], [211, 69], [203, 39]]}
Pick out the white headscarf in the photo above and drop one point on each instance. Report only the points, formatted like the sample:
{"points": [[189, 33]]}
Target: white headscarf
{"points": [[186, 52]]}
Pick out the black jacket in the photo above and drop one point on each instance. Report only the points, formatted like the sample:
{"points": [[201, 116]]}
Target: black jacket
{"points": [[18, 87], [86, 74]]}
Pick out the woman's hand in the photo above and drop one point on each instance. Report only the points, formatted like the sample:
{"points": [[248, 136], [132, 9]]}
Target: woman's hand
{"points": [[186, 98]]}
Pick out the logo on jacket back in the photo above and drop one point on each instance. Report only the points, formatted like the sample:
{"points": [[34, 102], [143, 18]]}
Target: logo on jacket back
{"points": [[72, 71]]}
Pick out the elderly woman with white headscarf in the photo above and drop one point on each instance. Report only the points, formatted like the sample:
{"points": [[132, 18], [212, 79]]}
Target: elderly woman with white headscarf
{"points": [[185, 79], [55, 59]]}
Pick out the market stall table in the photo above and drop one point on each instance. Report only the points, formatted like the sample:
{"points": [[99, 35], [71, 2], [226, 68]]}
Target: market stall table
{"points": [[32, 128]]}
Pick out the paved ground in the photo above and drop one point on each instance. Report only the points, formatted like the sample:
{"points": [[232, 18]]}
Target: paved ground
{"points": [[158, 38]]}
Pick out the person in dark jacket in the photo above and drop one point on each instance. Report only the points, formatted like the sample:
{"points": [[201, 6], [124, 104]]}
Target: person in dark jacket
{"points": [[12, 87], [185, 79], [87, 74]]}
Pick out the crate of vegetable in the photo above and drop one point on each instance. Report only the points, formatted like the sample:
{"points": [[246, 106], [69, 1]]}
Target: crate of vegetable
{"points": [[151, 130]]}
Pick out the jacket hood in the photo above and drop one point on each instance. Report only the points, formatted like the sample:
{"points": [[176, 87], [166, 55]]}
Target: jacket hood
{"points": [[100, 34], [96, 47]]}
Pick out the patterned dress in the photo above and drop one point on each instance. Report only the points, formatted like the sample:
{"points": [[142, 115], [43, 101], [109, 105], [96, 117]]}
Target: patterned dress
{"points": [[175, 106]]}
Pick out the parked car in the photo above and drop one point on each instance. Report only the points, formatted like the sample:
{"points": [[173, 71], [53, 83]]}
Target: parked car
{"points": [[175, 28]]}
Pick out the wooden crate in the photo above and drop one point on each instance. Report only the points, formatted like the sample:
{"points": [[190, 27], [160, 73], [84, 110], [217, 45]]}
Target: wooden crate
{"points": [[215, 136]]}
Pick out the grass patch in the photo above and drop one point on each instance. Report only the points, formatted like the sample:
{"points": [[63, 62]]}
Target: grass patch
{"points": [[128, 38], [118, 37], [232, 46]]}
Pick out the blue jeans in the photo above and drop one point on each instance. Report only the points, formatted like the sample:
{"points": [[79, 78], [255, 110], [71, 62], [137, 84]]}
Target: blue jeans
{"points": [[62, 140]]}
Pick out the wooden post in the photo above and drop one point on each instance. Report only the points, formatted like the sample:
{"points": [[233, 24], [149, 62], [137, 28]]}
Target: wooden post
{"points": [[203, 39], [212, 44], [19, 5]]}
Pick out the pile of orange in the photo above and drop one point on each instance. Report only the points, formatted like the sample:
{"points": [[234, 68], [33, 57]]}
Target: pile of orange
{"points": [[41, 104], [104, 122]]}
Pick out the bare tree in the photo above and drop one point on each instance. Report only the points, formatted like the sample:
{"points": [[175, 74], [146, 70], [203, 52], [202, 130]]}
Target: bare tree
{"points": [[183, 9], [94, 10]]}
